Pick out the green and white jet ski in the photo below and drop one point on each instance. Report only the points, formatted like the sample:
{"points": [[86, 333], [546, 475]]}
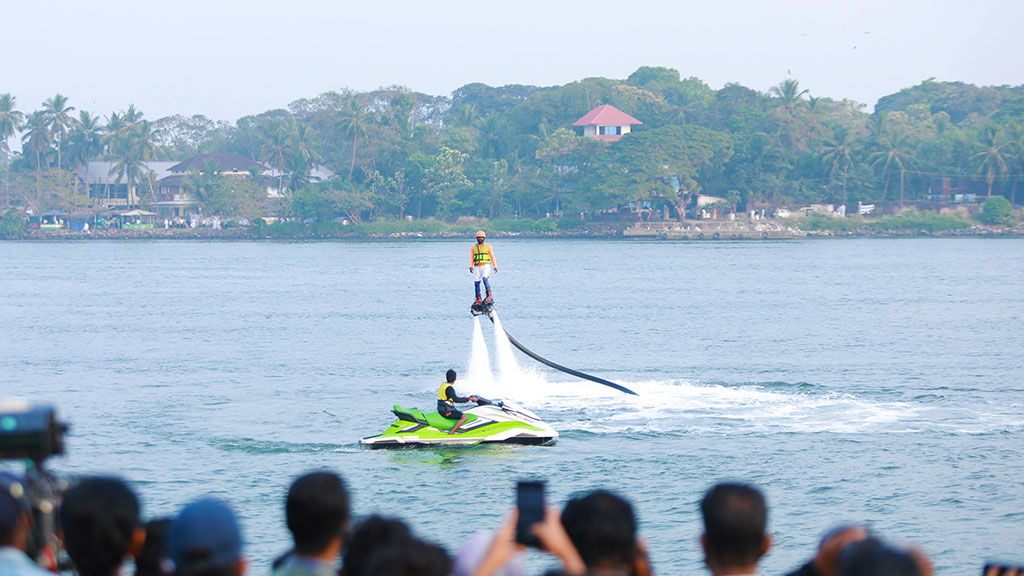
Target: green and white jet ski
{"points": [[488, 422]]}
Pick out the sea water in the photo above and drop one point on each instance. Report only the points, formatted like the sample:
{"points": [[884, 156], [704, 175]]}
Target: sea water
{"points": [[873, 381]]}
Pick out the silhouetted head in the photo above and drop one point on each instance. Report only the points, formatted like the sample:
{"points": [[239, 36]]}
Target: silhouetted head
{"points": [[735, 520], [602, 527], [414, 558], [449, 376], [152, 557], [872, 557], [317, 511], [99, 517], [371, 536]]}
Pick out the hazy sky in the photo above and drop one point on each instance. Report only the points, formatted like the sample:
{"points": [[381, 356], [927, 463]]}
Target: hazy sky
{"points": [[230, 59]]}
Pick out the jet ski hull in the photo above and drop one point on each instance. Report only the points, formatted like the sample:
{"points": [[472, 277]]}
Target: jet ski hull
{"points": [[488, 424]]}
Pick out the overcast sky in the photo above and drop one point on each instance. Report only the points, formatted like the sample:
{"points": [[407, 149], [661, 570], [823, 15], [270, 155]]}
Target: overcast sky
{"points": [[229, 59]]}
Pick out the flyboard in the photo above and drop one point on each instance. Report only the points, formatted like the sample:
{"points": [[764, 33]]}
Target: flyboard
{"points": [[486, 308]]}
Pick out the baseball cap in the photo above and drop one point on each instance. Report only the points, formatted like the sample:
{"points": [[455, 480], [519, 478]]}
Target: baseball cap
{"points": [[204, 533]]}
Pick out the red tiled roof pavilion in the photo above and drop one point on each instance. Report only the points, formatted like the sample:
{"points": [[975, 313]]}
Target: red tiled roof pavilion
{"points": [[602, 116]]}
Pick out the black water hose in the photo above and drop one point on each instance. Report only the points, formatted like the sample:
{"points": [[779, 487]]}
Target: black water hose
{"points": [[561, 368]]}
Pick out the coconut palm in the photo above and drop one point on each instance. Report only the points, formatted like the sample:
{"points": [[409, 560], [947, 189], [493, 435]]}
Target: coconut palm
{"points": [[992, 158], [893, 153], [11, 122], [59, 120], [131, 150], [132, 115], [275, 152], [85, 141], [354, 123], [143, 142], [789, 92], [305, 153], [37, 138], [465, 115], [837, 155], [491, 130]]}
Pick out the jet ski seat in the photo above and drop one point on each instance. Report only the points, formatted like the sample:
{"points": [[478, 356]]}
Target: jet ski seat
{"points": [[409, 415], [432, 419]]}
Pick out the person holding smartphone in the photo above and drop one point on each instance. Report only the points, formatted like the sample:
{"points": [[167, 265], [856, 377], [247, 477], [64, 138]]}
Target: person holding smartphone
{"points": [[594, 534]]}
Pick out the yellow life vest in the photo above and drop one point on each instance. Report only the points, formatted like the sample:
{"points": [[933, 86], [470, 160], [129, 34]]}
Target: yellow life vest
{"points": [[442, 393], [481, 254]]}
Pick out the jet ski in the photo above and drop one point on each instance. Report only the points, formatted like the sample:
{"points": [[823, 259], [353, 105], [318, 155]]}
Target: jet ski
{"points": [[488, 422]]}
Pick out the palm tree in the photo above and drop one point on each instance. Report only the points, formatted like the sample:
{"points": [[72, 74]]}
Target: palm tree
{"points": [[132, 150], [993, 159], [11, 122], [893, 153], [464, 115], [354, 123], [131, 115], [86, 141], [837, 155], [305, 156], [114, 130], [144, 140], [789, 92], [491, 130], [37, 138], [275, 150], [59, 120]]}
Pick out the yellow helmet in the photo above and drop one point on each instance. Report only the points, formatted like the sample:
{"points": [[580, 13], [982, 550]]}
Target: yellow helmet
{"points": [[481, 234]]}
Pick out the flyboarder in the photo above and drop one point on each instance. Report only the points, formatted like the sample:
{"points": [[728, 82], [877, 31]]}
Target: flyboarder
{"points": [[446, 399], [481, 265]]}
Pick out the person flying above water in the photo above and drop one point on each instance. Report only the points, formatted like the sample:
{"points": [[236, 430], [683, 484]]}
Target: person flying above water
{"points": [[446, 399], [481, 265]]}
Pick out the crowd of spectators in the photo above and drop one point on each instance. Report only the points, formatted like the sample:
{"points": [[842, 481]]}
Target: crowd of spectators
{"points": [[594, 534]]}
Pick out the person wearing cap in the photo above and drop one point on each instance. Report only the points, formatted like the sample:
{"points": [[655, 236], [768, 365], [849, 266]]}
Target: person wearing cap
{"points": [[481, 264], [204, 540], [15, 523]]}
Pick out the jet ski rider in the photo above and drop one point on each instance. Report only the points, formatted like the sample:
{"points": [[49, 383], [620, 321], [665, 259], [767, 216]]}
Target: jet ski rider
{"points": [[446, 399], [481, 265]]}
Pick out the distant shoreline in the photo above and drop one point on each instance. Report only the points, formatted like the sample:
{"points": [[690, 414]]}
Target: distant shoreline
{"points": [[606, 231]]}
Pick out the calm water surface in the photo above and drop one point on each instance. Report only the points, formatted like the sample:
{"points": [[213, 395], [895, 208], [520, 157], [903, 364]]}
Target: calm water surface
{"points": [[855, 380]]}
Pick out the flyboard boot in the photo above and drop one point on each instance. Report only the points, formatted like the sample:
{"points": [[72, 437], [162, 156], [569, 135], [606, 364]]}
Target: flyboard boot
{"points": [[488, 299]]}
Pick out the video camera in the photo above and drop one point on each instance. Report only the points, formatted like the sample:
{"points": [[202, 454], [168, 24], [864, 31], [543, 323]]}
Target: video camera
{"points": [[32, 432], [29, 431]]}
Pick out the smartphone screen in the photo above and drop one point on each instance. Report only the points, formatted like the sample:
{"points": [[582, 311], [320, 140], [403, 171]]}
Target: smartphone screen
{"points": [[530, 501]]}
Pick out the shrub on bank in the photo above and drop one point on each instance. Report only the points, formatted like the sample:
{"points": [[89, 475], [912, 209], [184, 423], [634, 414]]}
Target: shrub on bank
{"points": [[833, 224], [13, 223], [545, 225], [997, 210], [510, 225], [386, 227], [913, 220], [262, 228]]}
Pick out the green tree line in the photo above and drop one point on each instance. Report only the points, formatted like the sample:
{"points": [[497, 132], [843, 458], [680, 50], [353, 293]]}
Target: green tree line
{"points": [[511, 151]]}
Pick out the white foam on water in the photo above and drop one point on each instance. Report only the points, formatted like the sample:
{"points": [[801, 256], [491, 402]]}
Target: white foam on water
{"points": [[683, 406], [479, 373], [509, 372], [686, 406]]}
